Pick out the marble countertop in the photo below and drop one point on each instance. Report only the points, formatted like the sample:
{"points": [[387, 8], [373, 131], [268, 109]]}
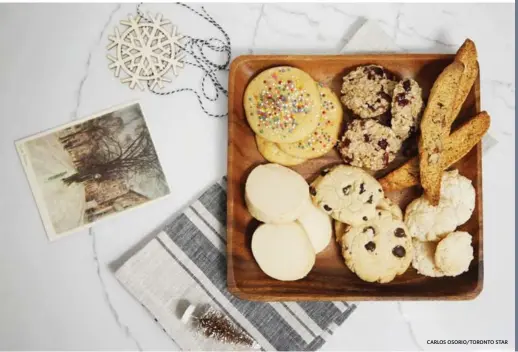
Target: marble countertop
{"points": [[54, 69]]}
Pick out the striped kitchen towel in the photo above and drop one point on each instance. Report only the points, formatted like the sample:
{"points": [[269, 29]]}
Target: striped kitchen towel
{"points": [[185, 263]]}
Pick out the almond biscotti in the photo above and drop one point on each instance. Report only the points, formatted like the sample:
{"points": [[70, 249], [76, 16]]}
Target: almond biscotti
{"points": [[435, 129]]}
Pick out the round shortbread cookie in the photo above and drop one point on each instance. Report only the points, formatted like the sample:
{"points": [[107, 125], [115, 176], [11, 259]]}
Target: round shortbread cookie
{"points": [[454, 253], [367, 91], [325, 136], [276, 194], [282, 104], [283, 251], [271, 152], [348, 194], [317, 225], [424, 258], [389, 206], [378, 250], [368, 144], [407, 104], [430, 223]]}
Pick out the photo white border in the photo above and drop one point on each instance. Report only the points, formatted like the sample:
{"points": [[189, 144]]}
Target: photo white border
{"points": [[24, 155]]}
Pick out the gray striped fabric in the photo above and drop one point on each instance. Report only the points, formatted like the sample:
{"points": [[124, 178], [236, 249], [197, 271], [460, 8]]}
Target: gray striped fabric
{"points": [[186, 261]]}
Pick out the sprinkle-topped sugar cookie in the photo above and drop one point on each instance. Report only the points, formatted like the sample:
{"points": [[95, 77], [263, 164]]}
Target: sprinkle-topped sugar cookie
{"points": [[282, 104], [325, 136]]}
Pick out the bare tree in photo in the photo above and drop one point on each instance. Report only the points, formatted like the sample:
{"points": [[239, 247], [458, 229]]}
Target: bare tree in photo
{"points": [[113, 159]]}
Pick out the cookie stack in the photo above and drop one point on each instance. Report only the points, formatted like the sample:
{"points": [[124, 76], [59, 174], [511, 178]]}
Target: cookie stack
{"points": [[293, 117], [370, 93], [375, 242], [440, 250], [293, 229]]}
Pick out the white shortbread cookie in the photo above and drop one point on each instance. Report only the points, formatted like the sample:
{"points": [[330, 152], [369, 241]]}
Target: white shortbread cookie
{"points": [[454, 253], [283, 251], [348, 194], [276, 194], [378, 250], [430, 223], [424, 258], [317, 225]]}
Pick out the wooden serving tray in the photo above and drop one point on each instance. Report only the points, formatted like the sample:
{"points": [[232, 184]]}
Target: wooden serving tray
{"points": [[330, 279]]}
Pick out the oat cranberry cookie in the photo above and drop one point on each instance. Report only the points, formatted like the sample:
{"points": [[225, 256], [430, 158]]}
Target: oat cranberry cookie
{"points": [[378, 250], [407, 104], [368, 144], [454, 253], [348, 194], [367, 91], [424, 258]]}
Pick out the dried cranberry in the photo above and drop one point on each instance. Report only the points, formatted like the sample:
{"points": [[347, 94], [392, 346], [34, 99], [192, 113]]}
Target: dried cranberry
{"points": [[377, 70], [384, 95], [366, 138], [347, 160], [406, 85], [402, 100], [346, 142], [383, 144], [386, 158]]}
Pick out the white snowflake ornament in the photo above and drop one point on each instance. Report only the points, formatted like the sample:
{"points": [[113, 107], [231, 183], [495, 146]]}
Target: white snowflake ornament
{"points": [[145, 51]]}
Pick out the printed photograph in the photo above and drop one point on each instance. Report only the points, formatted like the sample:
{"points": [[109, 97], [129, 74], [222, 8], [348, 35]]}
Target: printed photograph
{"points": [[100, 166]]}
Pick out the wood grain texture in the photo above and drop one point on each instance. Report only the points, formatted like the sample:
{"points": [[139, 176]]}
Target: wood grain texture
{"points": [[330, 279]]}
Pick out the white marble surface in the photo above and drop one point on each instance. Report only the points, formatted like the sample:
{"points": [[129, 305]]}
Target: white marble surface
{"points": [[53, 68]]}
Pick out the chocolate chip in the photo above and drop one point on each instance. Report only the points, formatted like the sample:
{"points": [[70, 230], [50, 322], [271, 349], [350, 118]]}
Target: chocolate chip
{"points": [[370, 246], [379, 213], [384, 95], [312, 191], [369, 228], [406, 85], [365, 218], [327, 207], [362, 188], [383, 144], [379, 190], [346, 190], [399, 232], [369, 200], [346, 142], [324, 172], [366, 138], [399, 251]]}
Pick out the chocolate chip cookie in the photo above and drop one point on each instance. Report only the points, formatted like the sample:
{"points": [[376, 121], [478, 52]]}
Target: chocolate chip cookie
{"points": [[378, 250], [367, 91], [348, 194], [407, 105], [369, 144]]}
